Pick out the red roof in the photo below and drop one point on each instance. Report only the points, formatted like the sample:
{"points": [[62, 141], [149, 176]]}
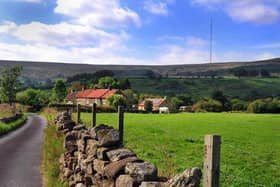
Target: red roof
{"points": [[156, 101], [71, 96], [96, 93]]}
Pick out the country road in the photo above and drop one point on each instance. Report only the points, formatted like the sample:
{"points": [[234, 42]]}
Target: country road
{"points": [[21, 153]]}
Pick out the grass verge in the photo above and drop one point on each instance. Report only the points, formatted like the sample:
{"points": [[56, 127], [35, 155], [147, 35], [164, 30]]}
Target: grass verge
{"points": [[6, 128], [52, 149]]}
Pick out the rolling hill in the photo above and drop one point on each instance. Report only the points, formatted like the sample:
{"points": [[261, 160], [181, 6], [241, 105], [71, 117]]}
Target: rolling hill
{"points": [[44, 70]]}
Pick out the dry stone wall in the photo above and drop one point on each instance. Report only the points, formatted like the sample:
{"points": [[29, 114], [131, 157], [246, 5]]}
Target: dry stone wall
{"points": [[96, 158]]}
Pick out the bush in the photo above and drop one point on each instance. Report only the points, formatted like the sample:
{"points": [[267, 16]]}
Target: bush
{"points": [[268, 105], [148, 106], [238, 105], [5, 128], [176, 103], [116, 100], [219, 96], [34, 98], [208, 105]]}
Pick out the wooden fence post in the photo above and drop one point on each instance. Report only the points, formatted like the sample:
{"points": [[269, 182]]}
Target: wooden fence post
{"points": [[211, 170], [78, 113], [94, 115], [120, 122]]}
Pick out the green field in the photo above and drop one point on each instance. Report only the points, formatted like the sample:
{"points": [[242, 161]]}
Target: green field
{"points": [[244, 88], [250, 143]]}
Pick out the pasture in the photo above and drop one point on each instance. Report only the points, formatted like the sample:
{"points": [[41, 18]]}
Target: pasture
{"points": [[250, 153]]}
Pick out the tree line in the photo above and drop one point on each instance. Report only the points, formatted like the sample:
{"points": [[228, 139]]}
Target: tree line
{"points": [[36, 98]]}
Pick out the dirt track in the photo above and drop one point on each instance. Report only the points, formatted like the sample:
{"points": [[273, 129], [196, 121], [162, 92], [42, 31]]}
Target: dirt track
{"points": [[21, 153]]}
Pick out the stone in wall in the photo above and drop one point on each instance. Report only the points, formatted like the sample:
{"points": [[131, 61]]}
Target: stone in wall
{"points": [[143, 171], [190, 178]]}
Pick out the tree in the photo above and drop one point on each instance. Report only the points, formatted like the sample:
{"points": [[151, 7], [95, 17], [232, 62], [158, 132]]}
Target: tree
{"points": [[238, 105], [76, 86], [124, 84], [106, 82], [130, 98], [151, 74], [265, 73], [219, 96], [240, 72], [34, 98], [116, 100], [268, 105], [187, 100], [59, 90], [9, 83], [208, 105], [148, 106], [176, 103], [84, 77]]}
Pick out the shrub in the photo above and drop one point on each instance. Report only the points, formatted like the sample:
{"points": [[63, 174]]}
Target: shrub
{"points": [[116, 100], [148, 106], [268, 105], [219, 96], [5, 128], [176, 103], [34, 98], [238, 105], [208, 105]]}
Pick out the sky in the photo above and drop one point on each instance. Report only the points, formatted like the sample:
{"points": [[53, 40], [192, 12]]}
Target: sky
{"points": [[146, 32]]}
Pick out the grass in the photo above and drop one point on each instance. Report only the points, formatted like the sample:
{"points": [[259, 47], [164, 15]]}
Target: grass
{"points": [[250, 154], [6, 128], [52, 149]]}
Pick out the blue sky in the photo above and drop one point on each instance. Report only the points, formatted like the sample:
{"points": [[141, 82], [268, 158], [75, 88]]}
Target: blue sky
{"points": [[138, 32]]}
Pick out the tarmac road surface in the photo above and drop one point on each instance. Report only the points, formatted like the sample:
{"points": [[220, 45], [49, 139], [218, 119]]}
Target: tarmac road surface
{"points": [[21, 154]]}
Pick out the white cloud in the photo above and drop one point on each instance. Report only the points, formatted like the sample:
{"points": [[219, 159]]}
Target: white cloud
{"points": [[45, 53], [63, 34], [196, 41], [101, 13], [180, 55], [266, 55], [7, 27], [251, 11], [84, 38], [255, 11], [275, 45], [158, 8]]}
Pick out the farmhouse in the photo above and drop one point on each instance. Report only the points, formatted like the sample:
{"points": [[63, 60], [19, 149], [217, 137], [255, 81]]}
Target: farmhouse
{"points": [[157, 103], [90, 96]]}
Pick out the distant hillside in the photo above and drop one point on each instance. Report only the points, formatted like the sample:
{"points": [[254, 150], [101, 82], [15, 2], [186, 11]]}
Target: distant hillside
{"points": [[44, 70]]}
